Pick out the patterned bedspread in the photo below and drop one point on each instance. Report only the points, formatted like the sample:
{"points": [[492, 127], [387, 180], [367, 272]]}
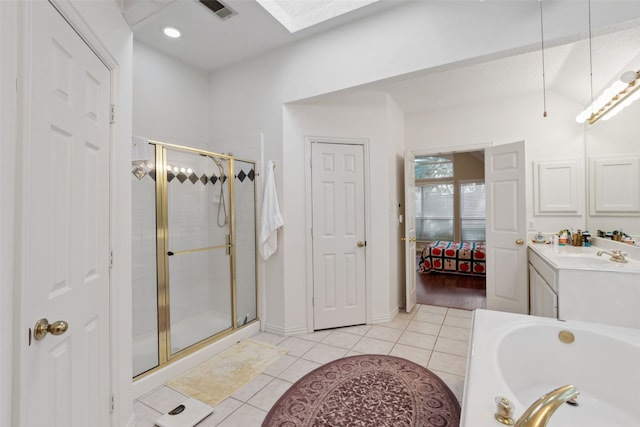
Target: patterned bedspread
{"points": [[453, 257]]}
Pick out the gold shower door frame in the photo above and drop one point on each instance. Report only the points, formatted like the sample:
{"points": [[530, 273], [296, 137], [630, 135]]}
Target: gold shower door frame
{"points": [[162, 228]]}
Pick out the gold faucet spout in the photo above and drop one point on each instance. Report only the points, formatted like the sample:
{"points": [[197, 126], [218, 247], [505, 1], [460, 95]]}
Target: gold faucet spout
{"points": [[539, 413]]}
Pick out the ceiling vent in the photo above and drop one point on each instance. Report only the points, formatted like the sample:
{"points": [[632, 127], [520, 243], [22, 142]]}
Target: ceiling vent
{"points": [[220, 9]]}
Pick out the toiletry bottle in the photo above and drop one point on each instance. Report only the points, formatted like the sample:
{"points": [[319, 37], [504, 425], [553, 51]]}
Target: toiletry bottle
{"points": [[562, 239]]}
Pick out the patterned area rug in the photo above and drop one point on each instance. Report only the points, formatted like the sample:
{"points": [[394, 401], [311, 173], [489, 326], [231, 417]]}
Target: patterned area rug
{"points": [[368, 391], [227, 372]]}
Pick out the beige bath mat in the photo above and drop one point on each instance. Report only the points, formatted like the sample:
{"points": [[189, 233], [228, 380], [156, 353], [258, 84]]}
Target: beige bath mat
{"points": [[224, 374]]}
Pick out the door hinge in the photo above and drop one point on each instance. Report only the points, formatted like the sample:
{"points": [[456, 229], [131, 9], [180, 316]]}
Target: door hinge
{"points": [[112, 403], [112, 114], [110, 259]]}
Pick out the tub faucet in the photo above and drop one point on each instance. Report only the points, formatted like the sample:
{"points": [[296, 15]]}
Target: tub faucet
{"points": [[616, 255], [540, 412]]}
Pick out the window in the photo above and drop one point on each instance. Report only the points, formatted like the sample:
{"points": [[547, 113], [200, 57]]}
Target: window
{"points": [[434, 167], [472, 211], [434, 211]]}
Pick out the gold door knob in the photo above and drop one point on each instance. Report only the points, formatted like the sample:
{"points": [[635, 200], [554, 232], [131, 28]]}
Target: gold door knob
{"points": [[361, 244], [520, 242], [411, 239], [43, 327]]}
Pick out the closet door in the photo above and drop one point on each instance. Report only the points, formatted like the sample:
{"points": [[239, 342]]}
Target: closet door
{"points": [[338, 235]]}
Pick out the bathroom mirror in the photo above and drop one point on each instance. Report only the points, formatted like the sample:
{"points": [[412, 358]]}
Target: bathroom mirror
{"points": [[618, 137]]}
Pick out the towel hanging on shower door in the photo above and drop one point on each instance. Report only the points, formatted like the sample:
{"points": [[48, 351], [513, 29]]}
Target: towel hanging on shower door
{"points": [[270, 217]]}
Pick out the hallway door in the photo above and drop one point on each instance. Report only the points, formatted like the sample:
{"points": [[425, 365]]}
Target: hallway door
{"points": [[64, 224], [338, 234], [507, 286]]}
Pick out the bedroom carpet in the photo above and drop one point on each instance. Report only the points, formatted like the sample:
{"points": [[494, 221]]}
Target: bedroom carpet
{"points": [[364, 391], [224, 374]]}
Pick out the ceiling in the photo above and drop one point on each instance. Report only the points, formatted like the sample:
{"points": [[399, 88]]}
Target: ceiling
{"points": [[209, 43]]}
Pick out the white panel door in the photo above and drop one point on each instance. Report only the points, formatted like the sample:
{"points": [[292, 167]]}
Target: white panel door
{"points": [[338, 235], [507, 288], [65, 379], [410, 229]]}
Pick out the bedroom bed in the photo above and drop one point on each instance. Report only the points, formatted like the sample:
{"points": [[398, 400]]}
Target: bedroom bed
{"points": [[453, 257]]}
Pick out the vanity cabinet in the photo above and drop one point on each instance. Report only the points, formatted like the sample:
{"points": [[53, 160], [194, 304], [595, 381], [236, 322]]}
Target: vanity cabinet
{"points": [[574, 283], [543, 291]]}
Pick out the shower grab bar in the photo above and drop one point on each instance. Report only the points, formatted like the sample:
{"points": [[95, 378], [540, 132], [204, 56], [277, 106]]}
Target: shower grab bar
{"points": [[190, 251]]}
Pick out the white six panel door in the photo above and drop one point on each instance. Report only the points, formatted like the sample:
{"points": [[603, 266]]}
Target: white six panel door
{"points": [[338, 235], [507, 286], [65, 378]]}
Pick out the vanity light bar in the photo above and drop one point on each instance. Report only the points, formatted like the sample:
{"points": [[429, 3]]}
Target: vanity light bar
{"points": [[621, 94]]}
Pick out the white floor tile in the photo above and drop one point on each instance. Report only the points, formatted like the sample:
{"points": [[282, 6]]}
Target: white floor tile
{"points": [[455, 333], [323, 353], [298, 369], [397, 323], [449, 363], [341, 339], [252, 387], [245, 416], [316, 336], [460, 313], [458, 322], [416, 355], [384, 333], [419, 340], [373, 346], [268, 337], [424, 327], [296, 346], [425, 316], [280, 365], [356, 330], [266, 397], [451, 346], [432, 309]]}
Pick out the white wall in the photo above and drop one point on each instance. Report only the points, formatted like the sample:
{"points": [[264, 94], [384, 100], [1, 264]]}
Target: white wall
{"points": [[249, 97], [502, 121], [170, 100], [362, 116]]}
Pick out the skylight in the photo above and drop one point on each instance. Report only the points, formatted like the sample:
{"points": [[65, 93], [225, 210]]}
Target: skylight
{"points": [[296, 15]]}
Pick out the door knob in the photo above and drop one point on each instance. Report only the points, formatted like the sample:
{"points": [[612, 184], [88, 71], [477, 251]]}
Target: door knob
{"points": [[43, 327], [361, 244], [411, 239], [520, 242]]}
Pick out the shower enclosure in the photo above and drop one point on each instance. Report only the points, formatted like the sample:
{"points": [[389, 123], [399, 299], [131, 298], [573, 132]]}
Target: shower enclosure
{"points": [[194, 251]]}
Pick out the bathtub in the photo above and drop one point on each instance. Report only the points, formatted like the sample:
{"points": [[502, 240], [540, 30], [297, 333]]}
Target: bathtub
{"points": [[522, 357]]}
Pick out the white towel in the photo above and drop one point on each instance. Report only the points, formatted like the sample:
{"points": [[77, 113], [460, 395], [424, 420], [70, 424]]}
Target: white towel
{"points": [[270, 217], [139, 149]]}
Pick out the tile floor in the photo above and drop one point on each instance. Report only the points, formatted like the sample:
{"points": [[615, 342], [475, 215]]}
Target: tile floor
{"points": [[432, 336]]}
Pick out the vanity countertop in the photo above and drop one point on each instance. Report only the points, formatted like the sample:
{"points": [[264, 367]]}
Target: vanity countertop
{"points": [[582, 258]]}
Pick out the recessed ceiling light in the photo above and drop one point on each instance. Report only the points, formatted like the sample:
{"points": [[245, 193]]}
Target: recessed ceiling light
{"points": [[172, 32]]}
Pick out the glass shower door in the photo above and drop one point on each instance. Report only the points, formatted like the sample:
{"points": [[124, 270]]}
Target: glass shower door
{"points": [[198, 261], [244, 191]]}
